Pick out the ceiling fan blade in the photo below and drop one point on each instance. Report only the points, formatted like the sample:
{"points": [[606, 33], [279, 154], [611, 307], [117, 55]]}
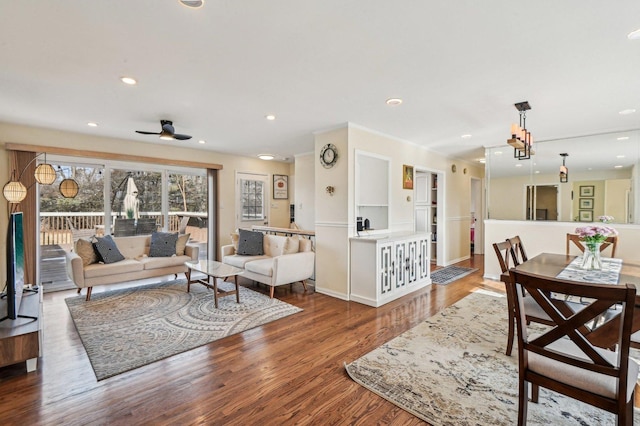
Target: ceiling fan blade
{"points": [[147, 133], [181, 137]]}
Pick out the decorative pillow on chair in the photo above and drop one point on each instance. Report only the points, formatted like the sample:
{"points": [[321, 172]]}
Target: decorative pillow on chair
{"points": [[163, 244], [84, 249], [250, 243], [108, 250], [181, 244], [235, 239], [292, 245]]}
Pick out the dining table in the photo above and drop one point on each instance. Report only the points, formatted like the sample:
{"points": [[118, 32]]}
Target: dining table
{"points": [[550, 265]]}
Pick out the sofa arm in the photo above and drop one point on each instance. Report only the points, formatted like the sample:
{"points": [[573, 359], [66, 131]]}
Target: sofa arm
{"points": [[193, 251], [228, 250], [289, 268], [75, 269]]}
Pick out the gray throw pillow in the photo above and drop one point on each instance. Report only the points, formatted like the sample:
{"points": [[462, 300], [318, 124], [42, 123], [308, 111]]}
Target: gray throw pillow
{"points": [[250, 243], [108, 250], [163, 244]]}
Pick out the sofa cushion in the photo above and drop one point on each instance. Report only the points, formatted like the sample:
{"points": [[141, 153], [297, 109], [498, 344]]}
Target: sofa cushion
{"points": [[250, 243], [235, 238], [274, 245], [292, 245], [163, 244], [84, 249], [262, 266], [133, 247], [305, 245], [100, 270], [240, 261], [108, 249], [163, 262], [181, 244]]}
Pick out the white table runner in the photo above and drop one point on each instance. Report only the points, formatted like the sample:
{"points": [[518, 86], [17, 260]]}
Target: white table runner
{"points": [[609, 274]]}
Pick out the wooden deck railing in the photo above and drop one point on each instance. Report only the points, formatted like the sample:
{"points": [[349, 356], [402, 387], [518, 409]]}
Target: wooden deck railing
{"points": [[59, 228]]}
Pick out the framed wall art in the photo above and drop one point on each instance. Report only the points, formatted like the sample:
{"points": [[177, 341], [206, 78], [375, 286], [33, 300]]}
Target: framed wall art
{"points": [[280, 187], [407, 177], [586, 203], [586, 215], [587, 191]]}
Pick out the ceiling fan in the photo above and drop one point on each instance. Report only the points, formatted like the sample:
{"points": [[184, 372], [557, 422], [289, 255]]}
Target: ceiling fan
{"points": [[167, 133]]}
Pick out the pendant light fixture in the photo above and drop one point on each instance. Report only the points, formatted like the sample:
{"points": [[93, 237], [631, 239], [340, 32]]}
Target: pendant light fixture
{"points": [[564, 172], [521, 139]]}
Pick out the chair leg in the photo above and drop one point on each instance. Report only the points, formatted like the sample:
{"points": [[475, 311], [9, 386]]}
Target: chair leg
{"points": [[535, 393], [511, 334], [271, 291], [89, 293], [79, 290], [523, 401], [304, 284]]}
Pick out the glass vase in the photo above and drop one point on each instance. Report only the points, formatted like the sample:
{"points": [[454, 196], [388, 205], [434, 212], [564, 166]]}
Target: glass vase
{"points": [[591, 259]]}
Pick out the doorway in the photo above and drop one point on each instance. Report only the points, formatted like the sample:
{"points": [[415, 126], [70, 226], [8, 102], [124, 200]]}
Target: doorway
{"points": [[252, 195], [542, 202]]}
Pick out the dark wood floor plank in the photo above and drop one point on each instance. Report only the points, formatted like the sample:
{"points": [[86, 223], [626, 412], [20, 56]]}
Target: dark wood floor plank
{"points": [[289, 371]]}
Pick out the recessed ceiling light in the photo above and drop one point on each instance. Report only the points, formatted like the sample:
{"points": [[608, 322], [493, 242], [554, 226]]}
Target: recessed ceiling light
{"points": [[128, 80], [537, 172], [634, 35], [394, 101], [270, 117], [266, 157], [620, 156], [497, 153], [92, 124], [623, 138], [627, 111], [618, 167], [518, 165], [467, 136], [482, 160], [202, 142]]}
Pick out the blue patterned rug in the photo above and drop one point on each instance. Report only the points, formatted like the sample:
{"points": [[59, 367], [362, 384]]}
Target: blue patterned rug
{"points": [[449, 274], [128, 328]]}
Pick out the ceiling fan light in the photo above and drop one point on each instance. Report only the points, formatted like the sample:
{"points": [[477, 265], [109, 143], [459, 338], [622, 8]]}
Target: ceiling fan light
{"points": [[45, 174], [166, 137], [69, 188], [14, 191]]}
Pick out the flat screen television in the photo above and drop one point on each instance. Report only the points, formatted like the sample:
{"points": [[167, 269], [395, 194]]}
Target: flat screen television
{"points": [[15, 266]]}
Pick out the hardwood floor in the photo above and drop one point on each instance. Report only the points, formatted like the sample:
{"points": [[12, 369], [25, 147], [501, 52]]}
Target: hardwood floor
{"points": [[286, 372]]}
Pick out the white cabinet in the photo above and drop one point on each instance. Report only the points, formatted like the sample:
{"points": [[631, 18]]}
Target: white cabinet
{"points": [[388, 266], [426, 208]]}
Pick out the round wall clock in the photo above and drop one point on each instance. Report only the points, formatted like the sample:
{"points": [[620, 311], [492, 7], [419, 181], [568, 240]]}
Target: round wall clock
{"points": [[328, 155]]}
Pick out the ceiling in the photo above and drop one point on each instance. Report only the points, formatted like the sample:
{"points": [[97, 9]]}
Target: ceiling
{"points": [[219, 70]]}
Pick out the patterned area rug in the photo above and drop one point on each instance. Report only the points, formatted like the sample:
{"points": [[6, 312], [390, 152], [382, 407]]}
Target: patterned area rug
{"points": [[449, 274], [452, 370], [126, 329]]}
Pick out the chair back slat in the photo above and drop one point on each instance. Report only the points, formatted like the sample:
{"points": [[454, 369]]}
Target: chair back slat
{"points": [[575, 240]]}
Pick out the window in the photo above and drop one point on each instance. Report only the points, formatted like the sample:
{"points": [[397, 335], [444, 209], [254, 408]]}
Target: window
{"points": [[252, 199]]}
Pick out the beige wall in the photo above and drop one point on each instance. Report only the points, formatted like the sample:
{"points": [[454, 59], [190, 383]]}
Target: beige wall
{"points": [[279, 209], [335, 215], [305, 191]]}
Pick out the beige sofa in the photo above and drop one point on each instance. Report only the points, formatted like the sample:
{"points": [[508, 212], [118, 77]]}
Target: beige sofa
{"points": [[136, 265], [285, 260]]}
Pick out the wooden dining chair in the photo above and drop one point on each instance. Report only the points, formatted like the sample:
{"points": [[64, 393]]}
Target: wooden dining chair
{"points": [[504, 251], [518, 254], [575, 239], [562, 358]]}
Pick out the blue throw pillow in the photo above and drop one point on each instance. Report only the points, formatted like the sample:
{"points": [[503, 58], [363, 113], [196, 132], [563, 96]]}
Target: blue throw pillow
{"points": [[163, 244], [250, 243], [108, 250]]}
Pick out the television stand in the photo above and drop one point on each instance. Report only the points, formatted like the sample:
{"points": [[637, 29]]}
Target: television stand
{"points": [[21, 340]]}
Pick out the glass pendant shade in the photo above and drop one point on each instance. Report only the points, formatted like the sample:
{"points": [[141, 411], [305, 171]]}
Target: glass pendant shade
{"points": [[69, 188], [14, 191], [45, 174]]}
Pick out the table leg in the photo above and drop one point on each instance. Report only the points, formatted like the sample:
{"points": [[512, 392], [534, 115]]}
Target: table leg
{"points": [[215, 291], [237, 289], [188, 274]]}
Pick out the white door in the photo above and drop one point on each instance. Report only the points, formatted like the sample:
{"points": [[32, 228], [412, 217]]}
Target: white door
{"points": [[252, 200]]}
